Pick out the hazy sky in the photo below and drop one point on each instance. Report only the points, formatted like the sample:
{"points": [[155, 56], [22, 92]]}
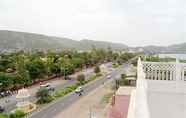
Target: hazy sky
{"points": [[132, 22]]}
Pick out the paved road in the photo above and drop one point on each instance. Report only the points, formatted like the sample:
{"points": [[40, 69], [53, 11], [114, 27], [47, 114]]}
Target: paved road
{"points": [[59, 105], [57, 84]]}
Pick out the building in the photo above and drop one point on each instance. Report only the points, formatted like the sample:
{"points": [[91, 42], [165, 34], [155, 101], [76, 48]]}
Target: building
{"points": [[160, 91]]}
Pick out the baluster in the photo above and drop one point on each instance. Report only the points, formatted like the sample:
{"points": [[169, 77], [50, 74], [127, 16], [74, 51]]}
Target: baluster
{"points": [[167, 76]]}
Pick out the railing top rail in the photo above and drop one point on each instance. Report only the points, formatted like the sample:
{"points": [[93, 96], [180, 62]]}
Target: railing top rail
{"points": [[166, 63]]}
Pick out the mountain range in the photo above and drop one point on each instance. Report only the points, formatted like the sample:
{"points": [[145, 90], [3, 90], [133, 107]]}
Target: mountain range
{"points": [[13, 41]]}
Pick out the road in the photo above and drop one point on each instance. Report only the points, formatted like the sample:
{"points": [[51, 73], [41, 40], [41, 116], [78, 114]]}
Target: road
{"points": [[62, 103], [57, 84]]}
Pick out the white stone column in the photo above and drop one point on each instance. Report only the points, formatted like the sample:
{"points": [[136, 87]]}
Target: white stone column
{"points": [[178, 70], [141, 105]]}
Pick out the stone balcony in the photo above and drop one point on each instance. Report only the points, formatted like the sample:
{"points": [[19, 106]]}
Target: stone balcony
{"points": [[160, 91]]}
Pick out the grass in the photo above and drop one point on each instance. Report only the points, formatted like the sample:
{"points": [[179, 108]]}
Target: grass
{"points": [[65, 91], [106, 98], [70, 88], [115, 65]]}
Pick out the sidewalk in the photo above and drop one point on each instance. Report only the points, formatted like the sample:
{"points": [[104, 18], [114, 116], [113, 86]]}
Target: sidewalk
{"points": [[88, 104]]}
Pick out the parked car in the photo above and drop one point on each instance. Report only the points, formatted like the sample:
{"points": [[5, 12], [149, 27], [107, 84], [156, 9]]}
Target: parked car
{"points": [[67, 78], [1, 109], [5, 93], [48, 86]]}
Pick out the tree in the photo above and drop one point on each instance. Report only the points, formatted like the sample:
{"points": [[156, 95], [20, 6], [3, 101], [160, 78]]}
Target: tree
{"points": [[77, 62], [36, 69], [81, 78], [21, 72], [55, 69], [6, 81], [97, 69]]}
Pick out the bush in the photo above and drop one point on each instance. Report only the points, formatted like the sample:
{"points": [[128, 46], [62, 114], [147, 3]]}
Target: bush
{"points": [[114, 65], [123, 76], [97, 69], [98, 74], [81, 79], [93, 77], [65, 91], [45, 100], [44, 96], [17, 114], [3, 115]]}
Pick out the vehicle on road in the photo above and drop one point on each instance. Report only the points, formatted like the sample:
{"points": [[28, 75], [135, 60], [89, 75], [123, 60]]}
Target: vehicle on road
{"points": [[47, 86], [67, 78], [1, 109], [5, 93], [108, 77], [79, 90]]}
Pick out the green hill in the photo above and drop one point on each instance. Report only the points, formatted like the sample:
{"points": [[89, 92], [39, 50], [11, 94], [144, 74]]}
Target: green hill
{"points": [[11, 40]]}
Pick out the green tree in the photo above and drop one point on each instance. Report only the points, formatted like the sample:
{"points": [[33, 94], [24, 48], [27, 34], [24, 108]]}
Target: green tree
{"points": [[6, 81], [21, 72], [36, 68]]}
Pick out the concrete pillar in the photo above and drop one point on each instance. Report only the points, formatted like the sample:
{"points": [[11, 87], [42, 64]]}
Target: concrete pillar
{"points": [[178, 70]]}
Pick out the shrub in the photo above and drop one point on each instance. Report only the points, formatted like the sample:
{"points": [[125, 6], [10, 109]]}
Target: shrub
{"points": [[45, 100], [114, 65], [17, 114], [44, 96], [65, 91], [81, 79], [98, 74], [93, 77], [3, 115], [123, 76], [97, 69]]}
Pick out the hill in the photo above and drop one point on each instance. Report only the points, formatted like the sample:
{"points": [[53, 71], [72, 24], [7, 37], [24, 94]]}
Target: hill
{"points": [[177, 48], [12, 40]]}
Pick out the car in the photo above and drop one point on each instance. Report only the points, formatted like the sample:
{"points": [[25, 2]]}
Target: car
{"points": [[67, 78], [1, 109], [79, 90], [108, 77], [5, 93], [48, 86]]}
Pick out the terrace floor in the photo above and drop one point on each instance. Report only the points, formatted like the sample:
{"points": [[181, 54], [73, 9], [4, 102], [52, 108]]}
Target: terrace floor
{"points": [[166, 99]]}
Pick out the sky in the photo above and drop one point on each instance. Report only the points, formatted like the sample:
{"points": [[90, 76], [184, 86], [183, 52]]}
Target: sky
{"points": [[131, 22]]}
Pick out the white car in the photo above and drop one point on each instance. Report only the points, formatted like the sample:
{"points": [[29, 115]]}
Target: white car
{"points": [[79, 90], [48, 86], [108, 76]]}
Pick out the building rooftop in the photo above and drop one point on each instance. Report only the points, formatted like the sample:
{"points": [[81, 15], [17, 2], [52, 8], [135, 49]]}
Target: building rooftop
{"points": [[124, 90], [166, 99]]}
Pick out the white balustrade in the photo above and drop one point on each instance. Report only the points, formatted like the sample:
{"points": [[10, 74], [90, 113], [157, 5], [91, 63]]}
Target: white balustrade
{"points": [[141, 106], [164, 70]]}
